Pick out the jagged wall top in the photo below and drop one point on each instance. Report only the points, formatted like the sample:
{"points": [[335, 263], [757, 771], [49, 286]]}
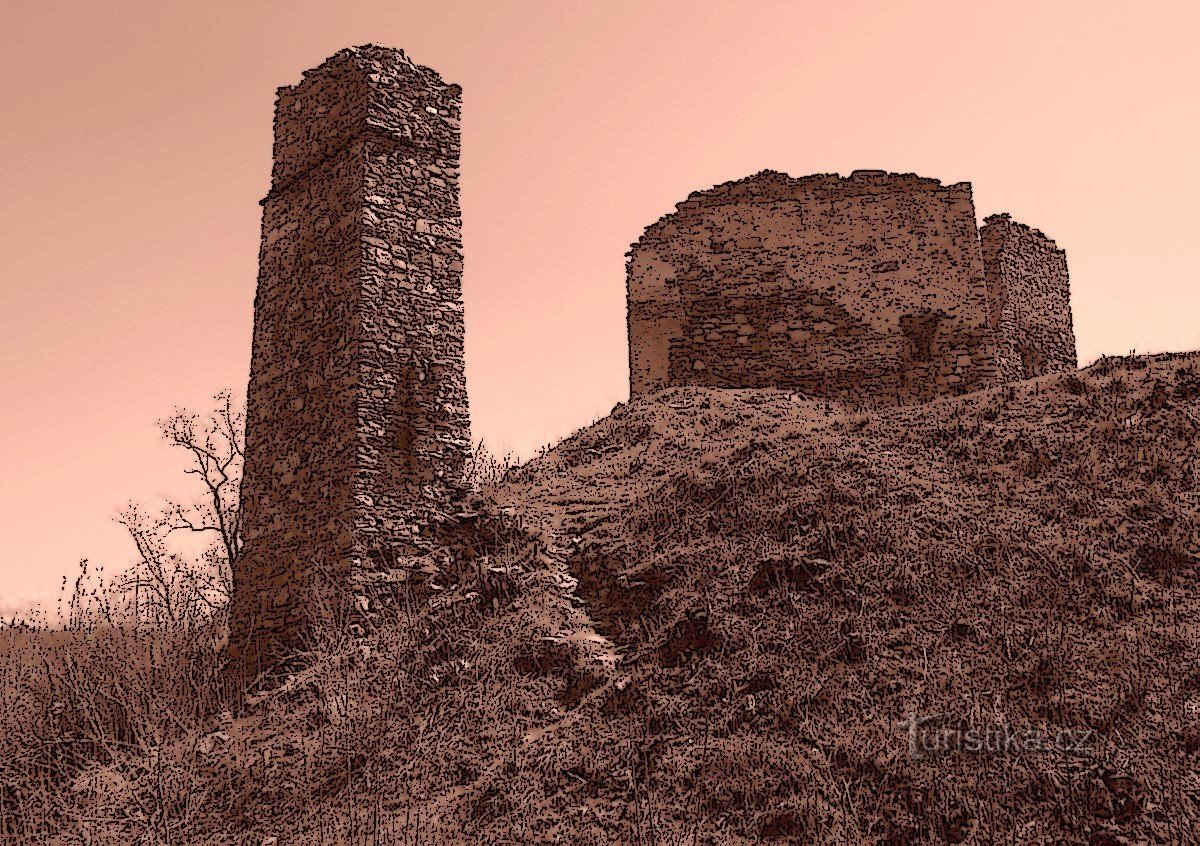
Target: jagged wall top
{"points": [[773, 185], [1024, 228], [356, 91]]}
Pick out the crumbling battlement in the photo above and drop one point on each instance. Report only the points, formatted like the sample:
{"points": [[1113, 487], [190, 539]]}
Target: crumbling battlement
{"points": [[357, 425], [1029, 299], [869, 288]]}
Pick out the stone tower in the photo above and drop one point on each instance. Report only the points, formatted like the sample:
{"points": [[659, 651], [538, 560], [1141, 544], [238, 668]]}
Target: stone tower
{"points": [[357, 426], [1029, 300]]}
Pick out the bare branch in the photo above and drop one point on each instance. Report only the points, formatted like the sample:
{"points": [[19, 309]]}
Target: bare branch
{"points": [[180, 588]]}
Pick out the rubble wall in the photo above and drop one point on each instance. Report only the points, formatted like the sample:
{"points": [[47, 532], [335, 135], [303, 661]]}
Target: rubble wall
{"points": [[868, 288], [1029, 300]]}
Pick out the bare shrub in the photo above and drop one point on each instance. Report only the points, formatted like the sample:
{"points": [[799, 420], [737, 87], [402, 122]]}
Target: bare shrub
{"points": [[189, 586], [485, 470]]}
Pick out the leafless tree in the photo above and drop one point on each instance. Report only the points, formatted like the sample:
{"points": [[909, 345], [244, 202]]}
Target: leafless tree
{"points": [[180, 588], [215, 443]]}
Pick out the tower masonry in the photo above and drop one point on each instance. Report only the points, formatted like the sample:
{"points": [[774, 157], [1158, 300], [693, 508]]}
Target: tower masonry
{"points": [[1029, 299], [873, 289], [357, 425], [867, 288]]}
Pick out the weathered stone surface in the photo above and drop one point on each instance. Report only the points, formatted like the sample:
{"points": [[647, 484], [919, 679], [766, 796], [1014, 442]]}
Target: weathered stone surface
{"points": [[357, 425], [869, 288], [1029, 299]]}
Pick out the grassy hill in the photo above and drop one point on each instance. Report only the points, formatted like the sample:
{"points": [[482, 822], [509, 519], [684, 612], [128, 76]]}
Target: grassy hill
{"points": [[713, 617]]}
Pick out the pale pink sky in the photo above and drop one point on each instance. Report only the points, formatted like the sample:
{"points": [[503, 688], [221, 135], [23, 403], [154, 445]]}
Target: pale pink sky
{"points": [[137, 142]]}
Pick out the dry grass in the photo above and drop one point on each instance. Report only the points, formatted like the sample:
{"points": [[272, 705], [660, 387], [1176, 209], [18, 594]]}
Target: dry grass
{"points": [[92, 723], [704, 620]]}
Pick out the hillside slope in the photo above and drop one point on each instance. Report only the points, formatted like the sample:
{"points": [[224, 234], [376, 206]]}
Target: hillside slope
{"points": [[732, 617], [787, 584]]}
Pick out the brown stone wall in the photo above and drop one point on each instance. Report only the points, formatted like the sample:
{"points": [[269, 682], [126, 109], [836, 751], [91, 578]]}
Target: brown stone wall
{"points": [[868, 288], [1030, 300], [357, 425]]}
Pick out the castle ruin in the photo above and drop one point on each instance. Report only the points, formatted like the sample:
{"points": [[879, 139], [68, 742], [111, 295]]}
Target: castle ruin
{"points": [[875, 288], [357, 426]]}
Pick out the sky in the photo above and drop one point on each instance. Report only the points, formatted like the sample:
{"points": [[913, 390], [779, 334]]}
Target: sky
{"points": [[135, 145]]}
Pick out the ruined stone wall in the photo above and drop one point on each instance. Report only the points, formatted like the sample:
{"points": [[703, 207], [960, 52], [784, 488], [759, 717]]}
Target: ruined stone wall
{"points": [[868, 288], [1029, 300], [357, 425]]}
